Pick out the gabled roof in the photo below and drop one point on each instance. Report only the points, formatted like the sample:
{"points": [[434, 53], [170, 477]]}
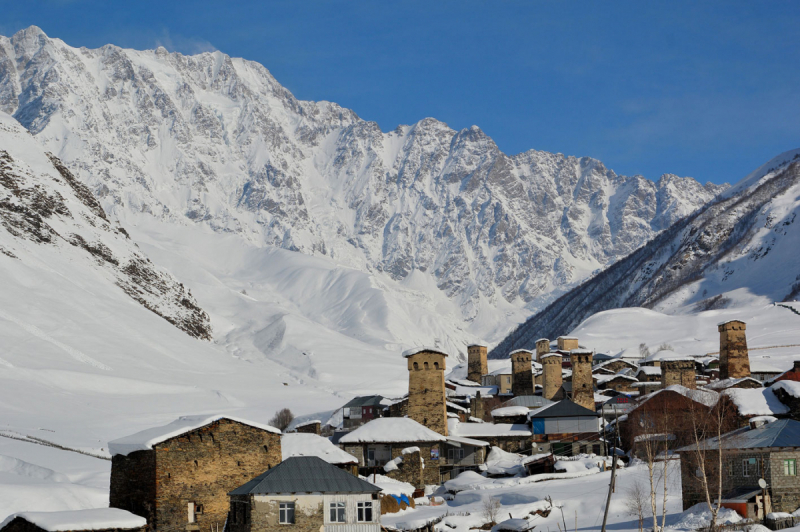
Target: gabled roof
{"points": [[530, 401], [364, 400], [299, 444], [305, 474], [92, 519], [565, 408], [146, 439], [413, 351], [781, 433], [392, 430], [608, 362]]}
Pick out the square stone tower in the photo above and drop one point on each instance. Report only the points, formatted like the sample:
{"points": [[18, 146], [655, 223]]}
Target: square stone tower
{"points": [[678, 371], [521, 372], [477, 366], [567, 343], [582, 384], [734, 362], [552, 377], [542, 348], [426, 394]]}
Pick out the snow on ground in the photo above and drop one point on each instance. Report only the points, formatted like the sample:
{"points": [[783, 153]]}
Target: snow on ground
{"points": [[94, 519]]}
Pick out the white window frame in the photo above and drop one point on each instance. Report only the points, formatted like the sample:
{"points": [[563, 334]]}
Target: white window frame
{"points": [[365, 507], [746, 467], [286, 513], [337, 512]]}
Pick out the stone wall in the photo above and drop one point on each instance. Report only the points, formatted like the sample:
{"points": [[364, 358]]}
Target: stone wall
{"points": [[521, 374], [426, 393], [542, 348], [620, 385], [678, 372], [789, 400], [582, 383], [785, 489], [615, 366], [309, 513], [310, 428], [734, 361], [411, 469], [567, 343], [200, 466], [552, 381], [477, 365]]}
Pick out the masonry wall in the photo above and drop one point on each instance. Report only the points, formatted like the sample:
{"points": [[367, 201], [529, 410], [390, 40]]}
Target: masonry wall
{"points": [[133, 483], [426, 393], [551, 371], [522, 377], [785, 489], [309, 513], [542, 348], [477, 365], [678, 372], [567, 343], [791, 401], [582, 384], [204, 465], [734, 361], [310, 428]]}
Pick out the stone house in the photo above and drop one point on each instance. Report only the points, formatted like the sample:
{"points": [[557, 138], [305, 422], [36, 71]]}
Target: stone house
{"points": [[96, 520], [501, 378], [383, 440], [614, 365], [509, 437], [649, 374], [305, 494], [313, 426], [763, 449], [619, 383], [178, 476]]}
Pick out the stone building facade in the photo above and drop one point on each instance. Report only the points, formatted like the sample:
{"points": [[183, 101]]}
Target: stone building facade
{"points": [[678, 371], [542, 348], [734, 361], [582, 379], [426, 390], [552, 375], [521, 372], [373, 456], [309, 427], [182, 482], [477, 365], [567, 343]]}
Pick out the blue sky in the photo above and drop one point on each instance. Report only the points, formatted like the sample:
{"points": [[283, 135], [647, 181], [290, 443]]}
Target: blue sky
{"points": [[710, 90]]}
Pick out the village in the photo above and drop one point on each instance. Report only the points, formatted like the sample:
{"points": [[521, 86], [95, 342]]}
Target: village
{"points": [[557, 411]]}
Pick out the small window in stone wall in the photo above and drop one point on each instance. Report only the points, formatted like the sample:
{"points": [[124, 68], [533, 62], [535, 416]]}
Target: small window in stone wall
{"points": [[790, 467], [426, 365], [266, 448], [286, 513], [416, 366], [201, 438], [196, 464]]}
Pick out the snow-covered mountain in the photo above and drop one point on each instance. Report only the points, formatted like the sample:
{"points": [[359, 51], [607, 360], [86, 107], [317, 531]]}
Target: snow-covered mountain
{"points": [[217, 141], [739, 250], [46, 212]]}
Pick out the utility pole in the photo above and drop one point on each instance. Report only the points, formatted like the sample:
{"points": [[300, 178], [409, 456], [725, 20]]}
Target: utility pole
{"points": [[613, 474]]}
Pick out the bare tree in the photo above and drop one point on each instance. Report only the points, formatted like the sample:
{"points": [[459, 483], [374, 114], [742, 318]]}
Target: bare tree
{"points": [[644, 351], [664, 347], [652, 439], [636, 502], [281, 419], [491, 508]]}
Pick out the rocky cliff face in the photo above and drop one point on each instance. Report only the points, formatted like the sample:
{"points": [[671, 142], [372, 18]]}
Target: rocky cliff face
{"points": [[739, 249], [42, 205], [215, 140]]}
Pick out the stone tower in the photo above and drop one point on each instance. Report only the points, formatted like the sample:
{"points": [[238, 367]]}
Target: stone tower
{"points": [[582, 385], [551, 369], [734, 362], [567, 343], [477, 366], [542, 348], [521, 372], [426, 395], [678, 371]]}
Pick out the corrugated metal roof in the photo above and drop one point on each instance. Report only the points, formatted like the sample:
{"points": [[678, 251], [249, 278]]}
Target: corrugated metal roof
{"points": [[305, 474], [365, 400], [565, 408], [781, 433], [531, 401]]}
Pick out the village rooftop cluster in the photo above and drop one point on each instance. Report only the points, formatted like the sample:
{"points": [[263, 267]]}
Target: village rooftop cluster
{"points": [[735, 430]]}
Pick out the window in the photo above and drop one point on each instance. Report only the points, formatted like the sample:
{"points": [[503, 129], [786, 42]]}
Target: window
{"points": [[286, 516], [370, 455], [508, 380], [425, 365], [749, 467], [730, 467], [365, 512], [455, 454], [436, 365], [790, 467], [338, 512], [416, 366]]}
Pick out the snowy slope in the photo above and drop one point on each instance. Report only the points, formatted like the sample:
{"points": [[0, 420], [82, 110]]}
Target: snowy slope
{"points": [[216, 141], [739, 250]]}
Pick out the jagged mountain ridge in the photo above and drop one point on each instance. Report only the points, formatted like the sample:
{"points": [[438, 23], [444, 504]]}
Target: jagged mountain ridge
{"points": [[217, 140], [42, 205], [739, 249]]}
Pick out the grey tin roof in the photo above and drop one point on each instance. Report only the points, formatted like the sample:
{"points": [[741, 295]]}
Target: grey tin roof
{"points": [[365, 400], [781, 433], [305, 474], [530, 401], [565, 408]]}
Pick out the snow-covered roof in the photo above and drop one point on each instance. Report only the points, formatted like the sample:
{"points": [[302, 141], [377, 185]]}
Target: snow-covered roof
{"points": [[410, 352], [666, 354], [756, 401], [92, 519], [146, 439], [790, 387], [520, 351], [390, 430], [605, 378], [654, 437], [506, 411], [567, 338], [612, 361], [729, 383], [513, 525], [729, 321], [502, 371], [550, 355], [467, 441], [306, 423], [649, 370], [581, 352], [457, 407], [300, 444], [704, 397], [486, 430], [477, 345], [759, 366]]}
